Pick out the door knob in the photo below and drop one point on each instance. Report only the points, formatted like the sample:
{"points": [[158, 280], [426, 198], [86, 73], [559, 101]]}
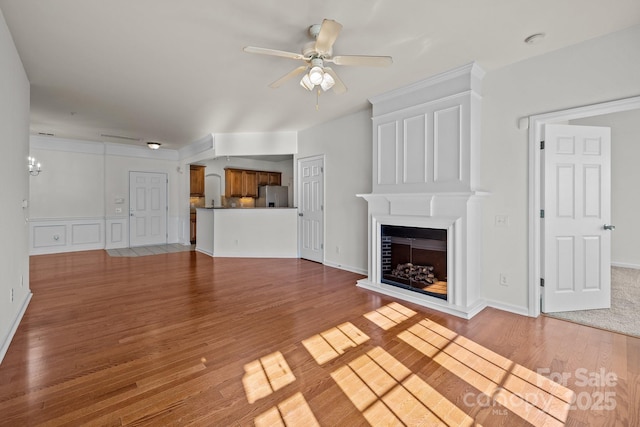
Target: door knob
{"points": [[609, 227], [300, 214]]}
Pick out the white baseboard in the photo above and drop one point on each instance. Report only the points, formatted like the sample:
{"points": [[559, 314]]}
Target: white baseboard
{"points": [[346, 268], [625, 265], [516, 309], [4, 347]]}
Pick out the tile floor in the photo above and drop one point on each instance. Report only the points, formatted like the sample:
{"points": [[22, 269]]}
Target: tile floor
{"points": [[150, 250]]}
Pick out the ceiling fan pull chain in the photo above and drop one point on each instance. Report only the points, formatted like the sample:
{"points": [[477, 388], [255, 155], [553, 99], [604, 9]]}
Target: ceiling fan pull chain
{"points": [[318, 100]]}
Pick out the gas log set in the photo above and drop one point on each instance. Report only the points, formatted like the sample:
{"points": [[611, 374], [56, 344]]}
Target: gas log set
{"points": [[421, 274]]}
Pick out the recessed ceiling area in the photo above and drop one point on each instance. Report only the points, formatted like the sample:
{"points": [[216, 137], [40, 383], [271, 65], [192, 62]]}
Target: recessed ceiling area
{"points": [[173, 72]]}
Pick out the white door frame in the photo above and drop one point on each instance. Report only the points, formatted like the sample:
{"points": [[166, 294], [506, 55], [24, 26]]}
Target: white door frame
{"points": [[536, 126], [299, 199]]}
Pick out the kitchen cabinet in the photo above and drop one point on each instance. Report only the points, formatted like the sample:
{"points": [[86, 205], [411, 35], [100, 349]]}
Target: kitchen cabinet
{"points": [[193, 227], [275, 178], [269, 178], [197, 181], [241, 183]]}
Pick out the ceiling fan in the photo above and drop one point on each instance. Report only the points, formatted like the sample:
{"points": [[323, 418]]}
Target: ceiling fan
{"points": [[318, 52]]}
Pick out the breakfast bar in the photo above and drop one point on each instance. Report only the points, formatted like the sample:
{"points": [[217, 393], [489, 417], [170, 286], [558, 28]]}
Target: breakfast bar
{"points": [[248, 232]]}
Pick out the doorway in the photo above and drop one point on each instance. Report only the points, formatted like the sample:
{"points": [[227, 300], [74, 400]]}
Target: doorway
{"points": [[147, 208], [536, 135], [311, 208]]}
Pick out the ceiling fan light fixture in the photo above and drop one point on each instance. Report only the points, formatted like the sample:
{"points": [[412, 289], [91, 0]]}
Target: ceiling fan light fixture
{"points": [[306, 82], [315, 75], [327, 82], [153, 145]]}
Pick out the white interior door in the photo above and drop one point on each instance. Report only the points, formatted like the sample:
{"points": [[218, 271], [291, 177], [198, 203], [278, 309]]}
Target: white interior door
{"points": [[576, 261], [310, 208], [147, 208]]}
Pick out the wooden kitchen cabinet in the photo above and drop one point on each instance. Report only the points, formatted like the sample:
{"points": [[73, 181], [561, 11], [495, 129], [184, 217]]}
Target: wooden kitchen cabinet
{"points": [[193, 227], [241, 183], [197, 181], [269, 178], [263, 178], [275, 178]]}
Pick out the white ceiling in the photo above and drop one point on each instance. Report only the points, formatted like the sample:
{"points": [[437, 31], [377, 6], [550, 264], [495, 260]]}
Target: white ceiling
{"points": [[173, 71]]}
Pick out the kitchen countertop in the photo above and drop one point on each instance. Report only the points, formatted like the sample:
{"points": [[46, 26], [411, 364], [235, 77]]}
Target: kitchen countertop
{"points": [[223, 207]]}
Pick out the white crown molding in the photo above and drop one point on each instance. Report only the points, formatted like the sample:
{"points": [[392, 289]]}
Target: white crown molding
{"points": [[53, 143], [125, 150], [472, 70]]}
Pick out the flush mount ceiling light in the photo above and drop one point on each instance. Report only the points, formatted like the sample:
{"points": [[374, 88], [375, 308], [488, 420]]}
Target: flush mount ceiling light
{"points": [[534, 38], [153, 145]]}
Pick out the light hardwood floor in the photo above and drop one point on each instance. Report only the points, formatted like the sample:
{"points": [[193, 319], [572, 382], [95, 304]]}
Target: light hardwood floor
{"points": [[184, 339]]}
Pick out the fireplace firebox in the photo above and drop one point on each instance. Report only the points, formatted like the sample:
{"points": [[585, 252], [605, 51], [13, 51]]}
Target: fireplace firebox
{"points": [[415, 258]]}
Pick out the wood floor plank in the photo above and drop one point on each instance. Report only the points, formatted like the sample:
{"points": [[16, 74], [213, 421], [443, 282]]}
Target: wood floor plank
{"points": [[176, 338]]}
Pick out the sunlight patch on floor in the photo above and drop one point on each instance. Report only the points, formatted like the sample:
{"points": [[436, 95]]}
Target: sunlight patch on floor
{"points": [[266, 375]]}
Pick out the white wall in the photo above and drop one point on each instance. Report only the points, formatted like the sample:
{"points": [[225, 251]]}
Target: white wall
{"points": [[346, 144], [71, 184], [14, 150], [81, 183], [598, 70], [625, 176]]}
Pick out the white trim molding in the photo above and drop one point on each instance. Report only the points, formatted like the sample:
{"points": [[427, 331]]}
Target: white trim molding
{"points": [[55, 235]]}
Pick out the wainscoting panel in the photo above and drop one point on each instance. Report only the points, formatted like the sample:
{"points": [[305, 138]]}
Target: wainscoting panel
{"points": [[54, 235]]}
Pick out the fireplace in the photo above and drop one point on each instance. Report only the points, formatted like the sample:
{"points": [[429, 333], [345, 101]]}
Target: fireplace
{"points": [[424, 209], [414, 258]]}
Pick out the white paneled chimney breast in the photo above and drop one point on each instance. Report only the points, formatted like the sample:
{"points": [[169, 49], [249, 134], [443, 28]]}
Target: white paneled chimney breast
{"points": [[426, 142]]}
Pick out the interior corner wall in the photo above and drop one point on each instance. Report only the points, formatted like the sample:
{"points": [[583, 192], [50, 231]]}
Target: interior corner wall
{"points": [[346, 144], [14, 150], [625, 175], [599, 70]]}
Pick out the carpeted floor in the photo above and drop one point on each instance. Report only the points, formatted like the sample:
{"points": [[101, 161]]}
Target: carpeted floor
{"points": [[624, 314]]}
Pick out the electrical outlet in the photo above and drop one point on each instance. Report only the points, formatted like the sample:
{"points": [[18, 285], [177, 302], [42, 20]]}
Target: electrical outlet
{"points": [[503, 280], [337, 249]]}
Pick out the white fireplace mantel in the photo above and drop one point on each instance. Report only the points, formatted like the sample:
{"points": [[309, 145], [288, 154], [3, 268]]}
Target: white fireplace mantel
{"points": [[426, 144]]}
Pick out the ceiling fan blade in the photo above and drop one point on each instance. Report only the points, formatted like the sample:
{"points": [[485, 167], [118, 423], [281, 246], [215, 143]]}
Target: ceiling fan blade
{"points": [[327, 36], [339, 86], [297, 71], [273, 52], [369, 61]]}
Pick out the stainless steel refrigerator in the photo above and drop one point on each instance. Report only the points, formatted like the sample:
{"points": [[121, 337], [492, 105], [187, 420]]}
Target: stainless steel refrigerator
{"points": [[273, 196]]}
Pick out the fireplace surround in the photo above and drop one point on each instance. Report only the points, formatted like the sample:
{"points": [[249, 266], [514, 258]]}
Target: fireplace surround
{"points": [[426, 142]]}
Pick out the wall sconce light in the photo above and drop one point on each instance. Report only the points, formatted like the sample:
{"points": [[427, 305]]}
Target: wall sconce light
{"points": [[153, 145], [34, 167]]}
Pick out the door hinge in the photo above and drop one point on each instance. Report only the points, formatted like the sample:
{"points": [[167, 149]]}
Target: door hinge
{"points": [[322, 208], [542, 213], [322, 169], [321, 245], [542, 145], [541, 282]]}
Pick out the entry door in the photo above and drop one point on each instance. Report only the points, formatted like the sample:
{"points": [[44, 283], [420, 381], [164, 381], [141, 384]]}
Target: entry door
{"points": [[311, 209], [577, 211], [147, 208]]}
